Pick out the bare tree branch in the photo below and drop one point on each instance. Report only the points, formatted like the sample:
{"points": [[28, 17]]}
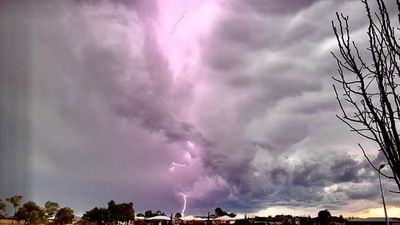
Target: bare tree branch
{"points": [[369, 80]]}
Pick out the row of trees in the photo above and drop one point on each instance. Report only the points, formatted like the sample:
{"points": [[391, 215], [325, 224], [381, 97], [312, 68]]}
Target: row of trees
{"points": [[150, 213], [114, 213], [217, 213], [32, 214]]}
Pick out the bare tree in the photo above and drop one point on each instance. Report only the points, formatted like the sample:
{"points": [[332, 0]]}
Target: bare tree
{"points": [[367, 85]]}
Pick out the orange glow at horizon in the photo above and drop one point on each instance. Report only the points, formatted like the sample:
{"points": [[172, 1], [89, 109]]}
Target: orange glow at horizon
{"points": [[392, 211]]}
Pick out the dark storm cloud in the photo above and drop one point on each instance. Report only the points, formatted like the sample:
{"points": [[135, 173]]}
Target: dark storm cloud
{"points": [[345, 170], [304, 184], [279, 64], [364, 192], [273, 6]]}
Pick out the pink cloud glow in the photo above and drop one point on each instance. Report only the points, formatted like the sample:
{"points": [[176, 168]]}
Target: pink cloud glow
{"points": [[182, 26]]}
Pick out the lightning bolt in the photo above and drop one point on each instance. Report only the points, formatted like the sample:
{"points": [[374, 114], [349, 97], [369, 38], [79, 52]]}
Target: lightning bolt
{"points": [[172, 168], [174, 165], [181, 17], [184, 203]]}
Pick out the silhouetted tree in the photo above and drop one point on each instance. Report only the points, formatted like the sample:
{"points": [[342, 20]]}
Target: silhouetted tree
{"points": [[64, 216], [97, 215], [50, 209], [304, 221], [31, 213], [178, 215], [2, 208], [112, 211], [159, 213], [369, 96], [341, 219], [15, 201], [140, 214], [148, 213], [324, 217], [122, 212], [219, 212]]}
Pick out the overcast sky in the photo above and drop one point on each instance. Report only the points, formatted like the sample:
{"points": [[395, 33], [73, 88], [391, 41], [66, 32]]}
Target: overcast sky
{"points": [[227, 102]]}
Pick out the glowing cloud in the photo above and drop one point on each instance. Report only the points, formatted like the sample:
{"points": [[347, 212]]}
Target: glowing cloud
{"points": [[181, 16], [190, 144], [376, 212], [181, 46]]}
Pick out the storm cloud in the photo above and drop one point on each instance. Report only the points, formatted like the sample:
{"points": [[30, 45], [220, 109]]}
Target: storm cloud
{"points": [[238, 93]]}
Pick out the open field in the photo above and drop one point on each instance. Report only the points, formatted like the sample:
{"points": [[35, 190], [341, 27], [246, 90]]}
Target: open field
{"points": [[8, 222]]}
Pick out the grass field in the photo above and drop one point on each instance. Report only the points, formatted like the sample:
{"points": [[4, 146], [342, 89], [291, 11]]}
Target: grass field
{"points": [[8, 222]]}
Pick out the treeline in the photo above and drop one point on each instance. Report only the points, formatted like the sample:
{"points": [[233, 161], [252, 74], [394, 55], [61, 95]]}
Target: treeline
{"points": [[218, 212], [150, 213], [51, 214], [324, 218], [114, 213], [32, 214]]}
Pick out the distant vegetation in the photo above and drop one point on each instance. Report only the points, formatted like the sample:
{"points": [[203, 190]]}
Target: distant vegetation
{"points": [[30, 213], [114, 213]]}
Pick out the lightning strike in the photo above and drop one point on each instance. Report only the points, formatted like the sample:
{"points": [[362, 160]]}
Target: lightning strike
{"points": [[184, 203], [181, 17], [174, 165]]}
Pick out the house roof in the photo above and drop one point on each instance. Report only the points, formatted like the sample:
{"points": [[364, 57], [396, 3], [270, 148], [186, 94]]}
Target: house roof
{"points": [[158, 218], [225, 218]]}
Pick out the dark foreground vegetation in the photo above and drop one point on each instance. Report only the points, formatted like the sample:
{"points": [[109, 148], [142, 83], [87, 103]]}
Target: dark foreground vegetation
{"points": [[30, 213]]}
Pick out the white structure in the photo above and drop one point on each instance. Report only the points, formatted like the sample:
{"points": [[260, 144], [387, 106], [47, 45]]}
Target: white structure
{"points": [[192, 218], [158, 218], [225, 218]]}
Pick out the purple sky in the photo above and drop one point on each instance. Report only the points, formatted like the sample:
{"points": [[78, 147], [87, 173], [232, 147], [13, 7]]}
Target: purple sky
{"points": [[228, 102]]}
